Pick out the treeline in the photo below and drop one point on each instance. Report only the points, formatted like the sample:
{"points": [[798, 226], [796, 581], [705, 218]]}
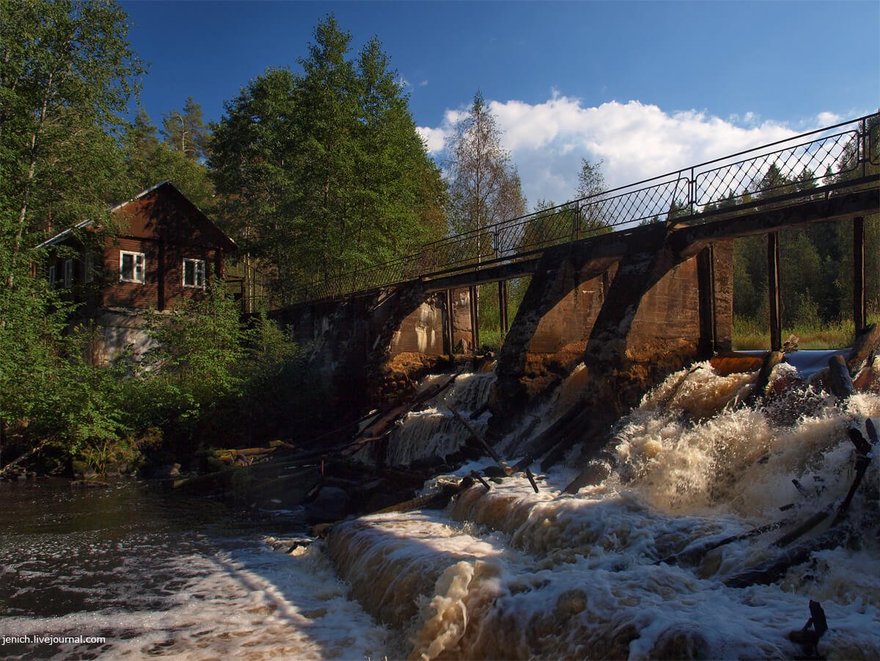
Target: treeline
{"points": [[816, 261], [312, 173]]}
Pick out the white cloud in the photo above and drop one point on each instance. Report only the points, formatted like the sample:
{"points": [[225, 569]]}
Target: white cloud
{"points": [[634, 140], [435, 139]]}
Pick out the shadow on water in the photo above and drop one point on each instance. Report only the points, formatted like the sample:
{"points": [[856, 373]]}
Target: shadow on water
{"points": [[153, 573]]}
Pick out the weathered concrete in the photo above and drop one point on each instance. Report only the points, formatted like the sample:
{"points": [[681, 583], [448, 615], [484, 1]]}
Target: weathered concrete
{"points": [[631, 315], [624, 303]]}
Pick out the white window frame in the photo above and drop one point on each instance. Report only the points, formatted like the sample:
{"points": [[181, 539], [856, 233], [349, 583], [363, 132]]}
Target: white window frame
{"points": [[198, 271], [67, 273], [51, 275], [138, 274]]}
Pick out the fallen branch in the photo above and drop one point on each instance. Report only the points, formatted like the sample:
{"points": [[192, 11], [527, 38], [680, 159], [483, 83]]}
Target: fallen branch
{"points": [[840, 381], [775, 568], [27, 455]]}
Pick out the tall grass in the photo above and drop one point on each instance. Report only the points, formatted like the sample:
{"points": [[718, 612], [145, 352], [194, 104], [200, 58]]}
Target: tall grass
{"points": [[749, 334]]}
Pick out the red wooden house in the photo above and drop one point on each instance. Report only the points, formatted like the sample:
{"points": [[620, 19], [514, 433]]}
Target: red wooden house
{"points": [[164, 251]]}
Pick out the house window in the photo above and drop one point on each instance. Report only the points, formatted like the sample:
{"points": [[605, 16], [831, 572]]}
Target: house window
{"points": [[52, 276], [67, 273], [194, 273], [131, 266]]}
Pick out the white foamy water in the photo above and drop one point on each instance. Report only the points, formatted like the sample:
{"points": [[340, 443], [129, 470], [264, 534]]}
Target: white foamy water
{"points": [[508, 573], [615, 571]]}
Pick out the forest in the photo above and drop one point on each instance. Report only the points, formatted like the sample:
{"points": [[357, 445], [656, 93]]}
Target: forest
{"points": [[314, 169]]}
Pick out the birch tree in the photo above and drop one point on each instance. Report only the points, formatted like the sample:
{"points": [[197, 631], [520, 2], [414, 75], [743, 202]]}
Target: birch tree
{"points": [[484, 187]]}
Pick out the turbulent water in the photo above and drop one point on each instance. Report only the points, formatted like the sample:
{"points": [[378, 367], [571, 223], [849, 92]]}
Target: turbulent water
{"points": [[620, 570]]}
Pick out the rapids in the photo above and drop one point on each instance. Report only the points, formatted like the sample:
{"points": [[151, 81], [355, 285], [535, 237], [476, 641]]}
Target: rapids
{"points": [[606, 573], [622, 569]]}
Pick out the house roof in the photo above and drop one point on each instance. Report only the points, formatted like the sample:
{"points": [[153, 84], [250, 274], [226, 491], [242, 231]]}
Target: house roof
{"points": [[61, 236]]}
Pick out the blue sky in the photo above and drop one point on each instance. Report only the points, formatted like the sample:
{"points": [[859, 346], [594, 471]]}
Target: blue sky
{"points": [[600, 80]]}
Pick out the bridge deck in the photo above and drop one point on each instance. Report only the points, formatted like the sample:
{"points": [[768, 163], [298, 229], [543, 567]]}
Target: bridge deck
{"points": [[759, 191]]}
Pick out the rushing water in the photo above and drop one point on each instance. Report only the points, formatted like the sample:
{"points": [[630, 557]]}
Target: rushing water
{"points": [[157, 575], [506, 573]]}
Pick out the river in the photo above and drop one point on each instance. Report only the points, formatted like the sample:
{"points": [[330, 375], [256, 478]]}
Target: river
{"points": [[154, 574], [625, 568]]}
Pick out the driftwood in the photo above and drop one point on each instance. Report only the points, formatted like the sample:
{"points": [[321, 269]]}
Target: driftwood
{"points": [[479, 478], [808, 637], [384, 422], [531, 479], [840, 381], [474, 436], [696, 554], [771, 360], [866, 343], [18, 460], [834, 536], [437, 500], [775, 568]]}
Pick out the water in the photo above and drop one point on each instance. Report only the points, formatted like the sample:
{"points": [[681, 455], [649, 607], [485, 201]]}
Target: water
{"points": [[157, 575], [507, 573]]}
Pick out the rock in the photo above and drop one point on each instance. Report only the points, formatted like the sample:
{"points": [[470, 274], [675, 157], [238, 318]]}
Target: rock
{"points": [[167, 472], [331, 504]]}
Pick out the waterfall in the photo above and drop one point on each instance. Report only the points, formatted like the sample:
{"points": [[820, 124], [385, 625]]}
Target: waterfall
{"points": [[611, 571]]}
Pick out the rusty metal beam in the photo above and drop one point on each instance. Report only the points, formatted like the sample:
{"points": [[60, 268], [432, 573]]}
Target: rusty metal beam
{"points": [[774, 292], [860, 303], [706, 288]]}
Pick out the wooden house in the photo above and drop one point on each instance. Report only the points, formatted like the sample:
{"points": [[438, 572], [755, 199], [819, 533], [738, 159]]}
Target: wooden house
{"points": [[163, 251]]}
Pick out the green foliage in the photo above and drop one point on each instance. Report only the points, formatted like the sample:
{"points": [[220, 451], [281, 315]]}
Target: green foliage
{"points": [[149, 161], [323, 172], [484, 186], [816, 266]]}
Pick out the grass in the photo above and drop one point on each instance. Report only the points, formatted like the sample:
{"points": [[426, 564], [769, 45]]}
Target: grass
{"points": [[749, 334]]}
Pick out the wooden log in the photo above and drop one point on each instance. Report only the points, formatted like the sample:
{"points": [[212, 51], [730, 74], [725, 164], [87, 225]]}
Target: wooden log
{"points": [[21, 459], [839, 379], [771, 360], [867, 342], [531, 479], [804, 528], [774, 568], [437, 500], [478, 440], [696, 554], [479, 478]]}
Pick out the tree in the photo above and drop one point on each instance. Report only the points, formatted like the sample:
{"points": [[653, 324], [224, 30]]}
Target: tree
{"points": [[148, 161], [185, 131], [324, 172], [591, 183], [483, 183], [67, 73]]}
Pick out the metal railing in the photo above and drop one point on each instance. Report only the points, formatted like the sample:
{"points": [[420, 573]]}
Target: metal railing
{"points": [[792, 168]]}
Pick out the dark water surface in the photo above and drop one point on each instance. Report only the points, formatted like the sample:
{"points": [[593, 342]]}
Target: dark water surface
{"points": [[148, 570]]}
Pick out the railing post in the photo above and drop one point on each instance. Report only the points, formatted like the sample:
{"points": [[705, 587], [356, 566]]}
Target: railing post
{"points": [[860, 302], [773, 291], [577, 220]]}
